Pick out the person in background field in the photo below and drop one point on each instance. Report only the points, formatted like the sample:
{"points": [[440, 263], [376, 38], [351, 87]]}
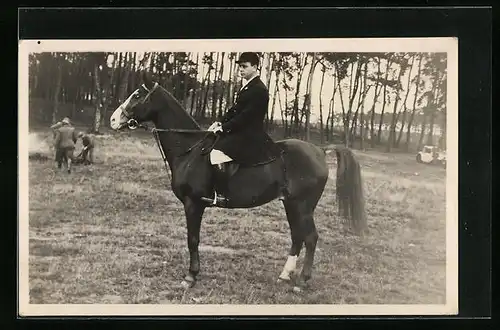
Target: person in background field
{"points": [[88, 148], [56, 126], [64, 143]]}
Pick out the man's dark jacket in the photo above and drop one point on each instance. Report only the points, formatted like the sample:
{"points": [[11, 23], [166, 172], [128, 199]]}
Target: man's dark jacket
{"points": [[244, 138]]}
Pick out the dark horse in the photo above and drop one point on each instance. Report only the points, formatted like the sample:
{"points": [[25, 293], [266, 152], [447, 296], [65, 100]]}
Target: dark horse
{"points": [[302, 171]]}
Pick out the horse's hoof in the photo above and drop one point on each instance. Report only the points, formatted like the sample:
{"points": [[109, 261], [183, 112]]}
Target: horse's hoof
{"points": [[187, 284], [300, 285], [283, 280]]}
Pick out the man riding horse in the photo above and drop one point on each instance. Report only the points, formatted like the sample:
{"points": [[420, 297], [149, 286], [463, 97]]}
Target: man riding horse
{"points": [[302, 168], [242, 137]]}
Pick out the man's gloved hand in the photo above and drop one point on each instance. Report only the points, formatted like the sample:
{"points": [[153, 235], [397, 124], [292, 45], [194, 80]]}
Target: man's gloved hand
{"points": [[215, 127]]}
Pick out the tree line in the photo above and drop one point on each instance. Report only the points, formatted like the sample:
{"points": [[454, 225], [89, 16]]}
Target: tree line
{"points": [[389, 100]]}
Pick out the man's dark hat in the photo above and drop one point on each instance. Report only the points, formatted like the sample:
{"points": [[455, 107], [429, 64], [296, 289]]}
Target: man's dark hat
{"points": [[253, 58]]}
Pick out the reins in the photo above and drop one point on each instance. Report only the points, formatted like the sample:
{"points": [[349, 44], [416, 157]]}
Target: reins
{"points": [[132, 124]]}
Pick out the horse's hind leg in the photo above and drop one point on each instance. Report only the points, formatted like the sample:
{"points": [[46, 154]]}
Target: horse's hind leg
{"points": [[64, 161], [310, 239], [310, 235], [294, 221], [68, 162]]}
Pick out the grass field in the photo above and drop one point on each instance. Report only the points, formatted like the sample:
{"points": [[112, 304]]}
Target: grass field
{"points": [[114, 233]]}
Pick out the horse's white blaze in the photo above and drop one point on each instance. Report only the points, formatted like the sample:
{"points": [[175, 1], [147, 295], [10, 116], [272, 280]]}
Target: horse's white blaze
{"points": [[290, 266], [118, 118]]}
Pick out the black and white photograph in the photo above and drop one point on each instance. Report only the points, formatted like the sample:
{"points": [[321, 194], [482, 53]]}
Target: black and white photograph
{"points": [[238, 177]]}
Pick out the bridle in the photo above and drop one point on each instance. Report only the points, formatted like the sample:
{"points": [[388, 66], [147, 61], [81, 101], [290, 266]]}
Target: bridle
{"points": [[133, 124]]}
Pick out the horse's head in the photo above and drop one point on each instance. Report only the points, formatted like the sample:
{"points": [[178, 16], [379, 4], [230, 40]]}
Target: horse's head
{"points": [[137, 108]]}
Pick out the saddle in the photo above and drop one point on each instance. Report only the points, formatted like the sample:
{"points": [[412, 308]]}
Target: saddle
{"points": [[225, 171], [273, 153]]}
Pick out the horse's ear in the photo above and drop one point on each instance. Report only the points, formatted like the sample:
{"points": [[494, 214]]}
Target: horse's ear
{"points": [[147, 79]]}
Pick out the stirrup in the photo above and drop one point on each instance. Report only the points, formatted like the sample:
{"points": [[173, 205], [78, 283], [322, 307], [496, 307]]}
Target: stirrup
{"points": [[215, 201], [215, 198]]}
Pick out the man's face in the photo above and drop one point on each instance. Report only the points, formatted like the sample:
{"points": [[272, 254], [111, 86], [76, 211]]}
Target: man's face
{"points": [[247, 70]]}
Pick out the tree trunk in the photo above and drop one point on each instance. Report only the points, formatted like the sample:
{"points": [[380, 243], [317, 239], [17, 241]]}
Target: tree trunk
{"points": [[331, 110], [122, 93], [119, 78], [284, 111], [362, 116], [442, 140], [375, 98], [408, 87], [379, 134], [363, 91], [109, 89], [430, 136], [234, 85], [412, 116], [132, 74], [345, 122], [57, 88], [422, 132], [352, 93], [221, 82], [97, 104], [229, 81], [267, 63], [194, 96], [200, 96], [300, 73], [275, 95], [207, 91], [392, 129], [214, 88], [307, 100], [329, 121], [321, 130], [270, 63]]}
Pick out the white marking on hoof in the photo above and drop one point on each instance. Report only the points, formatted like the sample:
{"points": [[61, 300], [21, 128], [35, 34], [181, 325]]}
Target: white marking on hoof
{"points": [[297, 289], [187, 284], [290, 266]]}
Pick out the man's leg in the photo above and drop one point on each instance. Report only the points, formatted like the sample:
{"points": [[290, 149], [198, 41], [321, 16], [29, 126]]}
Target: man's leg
{"points": [[70, 157], [85, 155], [91, 155], [222, 162], [58, 157]]}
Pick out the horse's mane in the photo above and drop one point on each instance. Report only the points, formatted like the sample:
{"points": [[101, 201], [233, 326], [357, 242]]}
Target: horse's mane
{"points": [[177, 107]]}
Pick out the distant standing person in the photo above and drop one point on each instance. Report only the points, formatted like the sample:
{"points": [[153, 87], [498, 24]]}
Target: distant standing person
{"points": [[64, 143], [55, 127], [88, 148]]}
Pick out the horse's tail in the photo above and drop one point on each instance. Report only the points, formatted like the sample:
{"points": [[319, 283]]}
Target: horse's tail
{"points": [[350, 197]]}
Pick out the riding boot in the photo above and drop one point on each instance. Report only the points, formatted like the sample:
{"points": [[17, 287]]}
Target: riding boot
{"points": [[222, 174], [221, 184]]}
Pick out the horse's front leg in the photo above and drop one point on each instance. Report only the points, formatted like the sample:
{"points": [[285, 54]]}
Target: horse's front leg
{"points": [[194, 213]]}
